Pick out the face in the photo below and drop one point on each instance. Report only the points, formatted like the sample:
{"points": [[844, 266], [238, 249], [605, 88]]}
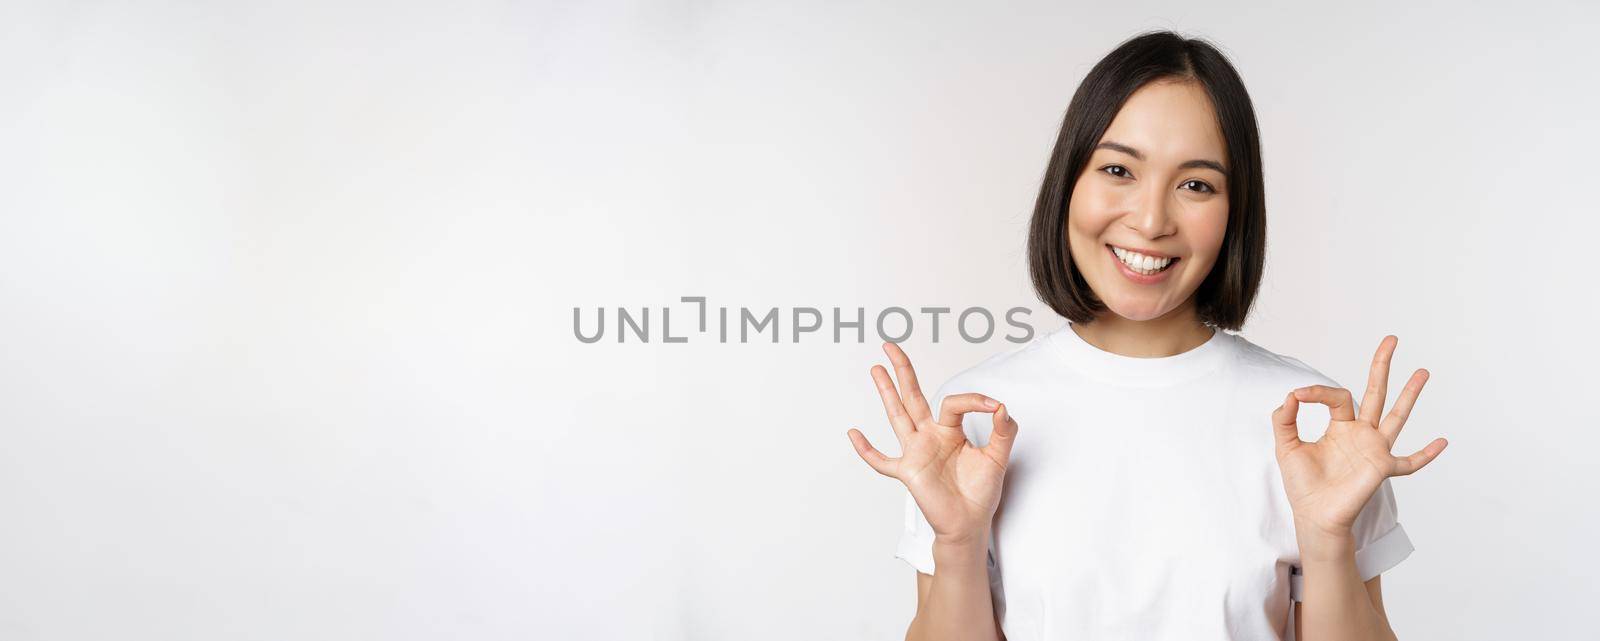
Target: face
{"points": [[1155, 195]]}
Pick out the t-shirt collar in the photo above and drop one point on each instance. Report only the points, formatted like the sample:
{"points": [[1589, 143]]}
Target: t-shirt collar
{"points": [[1132, 371]]}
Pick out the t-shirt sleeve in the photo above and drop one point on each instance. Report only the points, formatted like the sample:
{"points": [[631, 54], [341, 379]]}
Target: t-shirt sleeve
{"points": [[1381, 542]]}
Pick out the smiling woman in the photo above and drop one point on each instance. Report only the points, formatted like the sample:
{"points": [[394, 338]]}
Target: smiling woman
{"points": [[1162, 490], [1149, 215], [1160, 138]]}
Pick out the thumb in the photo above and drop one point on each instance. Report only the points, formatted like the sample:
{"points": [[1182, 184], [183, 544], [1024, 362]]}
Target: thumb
{"points": [[1003, 436], [1285, 428]]}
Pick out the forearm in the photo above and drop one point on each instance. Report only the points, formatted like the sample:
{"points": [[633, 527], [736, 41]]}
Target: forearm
{"points": [[959, 605], [1335, 604]]}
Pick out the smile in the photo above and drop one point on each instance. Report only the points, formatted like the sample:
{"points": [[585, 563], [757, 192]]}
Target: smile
{"points": [[1142, 268]]}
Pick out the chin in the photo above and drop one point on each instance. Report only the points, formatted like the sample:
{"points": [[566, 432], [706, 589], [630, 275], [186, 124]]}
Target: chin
{"points": [[1136, 311]]}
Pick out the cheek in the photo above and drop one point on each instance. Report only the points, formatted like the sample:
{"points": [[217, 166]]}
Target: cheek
{"points": [[1207, 227], [1093, 204], [1092, 208]]}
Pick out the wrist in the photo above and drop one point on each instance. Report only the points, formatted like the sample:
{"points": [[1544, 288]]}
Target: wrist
{"points": [[973, 538], [965, 550], [1324, 544]]}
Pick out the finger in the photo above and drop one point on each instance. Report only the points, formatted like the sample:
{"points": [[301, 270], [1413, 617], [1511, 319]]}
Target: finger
{"points": [[1285, 426], [954, 405], [1336, 398], [898, 419], [1391, 425], [1003, 436], [910, 391], [884, 465], [1378, 380], [1424, 456]]}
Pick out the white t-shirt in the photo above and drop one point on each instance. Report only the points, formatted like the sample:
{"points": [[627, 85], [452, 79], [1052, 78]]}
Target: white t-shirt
{"points": [[1143, 500]]}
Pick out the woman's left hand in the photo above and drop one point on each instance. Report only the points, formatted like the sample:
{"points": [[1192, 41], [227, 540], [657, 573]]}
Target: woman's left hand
{"points": [[1329, 481]]}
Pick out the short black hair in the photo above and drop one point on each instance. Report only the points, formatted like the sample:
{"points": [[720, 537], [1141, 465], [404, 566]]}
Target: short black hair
{"points": [[1223, 300]]}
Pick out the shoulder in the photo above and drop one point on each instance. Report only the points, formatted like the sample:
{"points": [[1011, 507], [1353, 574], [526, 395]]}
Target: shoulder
{"points": [[1268, 376], [1257, 363], [1022, 365], [1265, 377]]}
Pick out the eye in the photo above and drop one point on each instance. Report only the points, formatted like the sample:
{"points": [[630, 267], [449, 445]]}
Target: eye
{"points": [[1200, 186], [1113, 169]]}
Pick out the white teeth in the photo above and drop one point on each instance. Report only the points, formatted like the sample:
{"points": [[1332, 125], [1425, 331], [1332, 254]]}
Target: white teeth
{"points": [[1140, 262]]}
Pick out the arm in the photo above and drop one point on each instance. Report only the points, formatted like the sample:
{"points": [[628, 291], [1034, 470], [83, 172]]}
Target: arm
{"points": [[955, 602], [1374, 590], [957, 487], [1328, 483], [1337, 606]]}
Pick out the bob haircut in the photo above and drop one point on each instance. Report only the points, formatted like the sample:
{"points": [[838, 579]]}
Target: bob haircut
{"points": [[1223, 299]]}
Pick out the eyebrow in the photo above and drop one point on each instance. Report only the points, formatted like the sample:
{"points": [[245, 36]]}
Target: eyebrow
{"points": [[1198, 162]]}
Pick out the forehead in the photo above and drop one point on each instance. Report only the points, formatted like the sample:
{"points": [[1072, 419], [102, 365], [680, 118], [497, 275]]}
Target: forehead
{"points": [[1171, 120]]}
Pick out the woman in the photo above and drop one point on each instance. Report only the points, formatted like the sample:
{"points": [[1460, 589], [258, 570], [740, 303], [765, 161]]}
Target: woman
{"points": [[1159, 494]]}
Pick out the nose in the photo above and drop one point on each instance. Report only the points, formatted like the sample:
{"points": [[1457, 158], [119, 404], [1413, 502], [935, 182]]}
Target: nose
{"points": [[1150, 215]]}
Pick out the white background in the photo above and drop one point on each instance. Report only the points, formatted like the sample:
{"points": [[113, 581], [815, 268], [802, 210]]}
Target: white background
{"points": [[286, 299]]}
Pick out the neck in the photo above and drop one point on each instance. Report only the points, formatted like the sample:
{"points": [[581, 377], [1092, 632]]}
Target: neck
{"points": [[1176, 332]]}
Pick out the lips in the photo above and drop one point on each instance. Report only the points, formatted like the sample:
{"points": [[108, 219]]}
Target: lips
{"points": [[1148, 252], [1136, 277]]}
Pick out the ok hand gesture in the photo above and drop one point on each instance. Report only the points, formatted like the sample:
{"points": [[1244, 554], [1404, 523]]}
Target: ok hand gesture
{"points": [[955, 483], [1329, 481]]}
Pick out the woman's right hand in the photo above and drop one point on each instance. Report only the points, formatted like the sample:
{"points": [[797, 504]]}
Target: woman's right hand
{"points": [[955, 483]]}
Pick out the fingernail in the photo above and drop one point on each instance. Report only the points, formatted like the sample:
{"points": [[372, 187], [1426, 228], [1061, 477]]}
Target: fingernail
{"points": [[990, 403]]}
